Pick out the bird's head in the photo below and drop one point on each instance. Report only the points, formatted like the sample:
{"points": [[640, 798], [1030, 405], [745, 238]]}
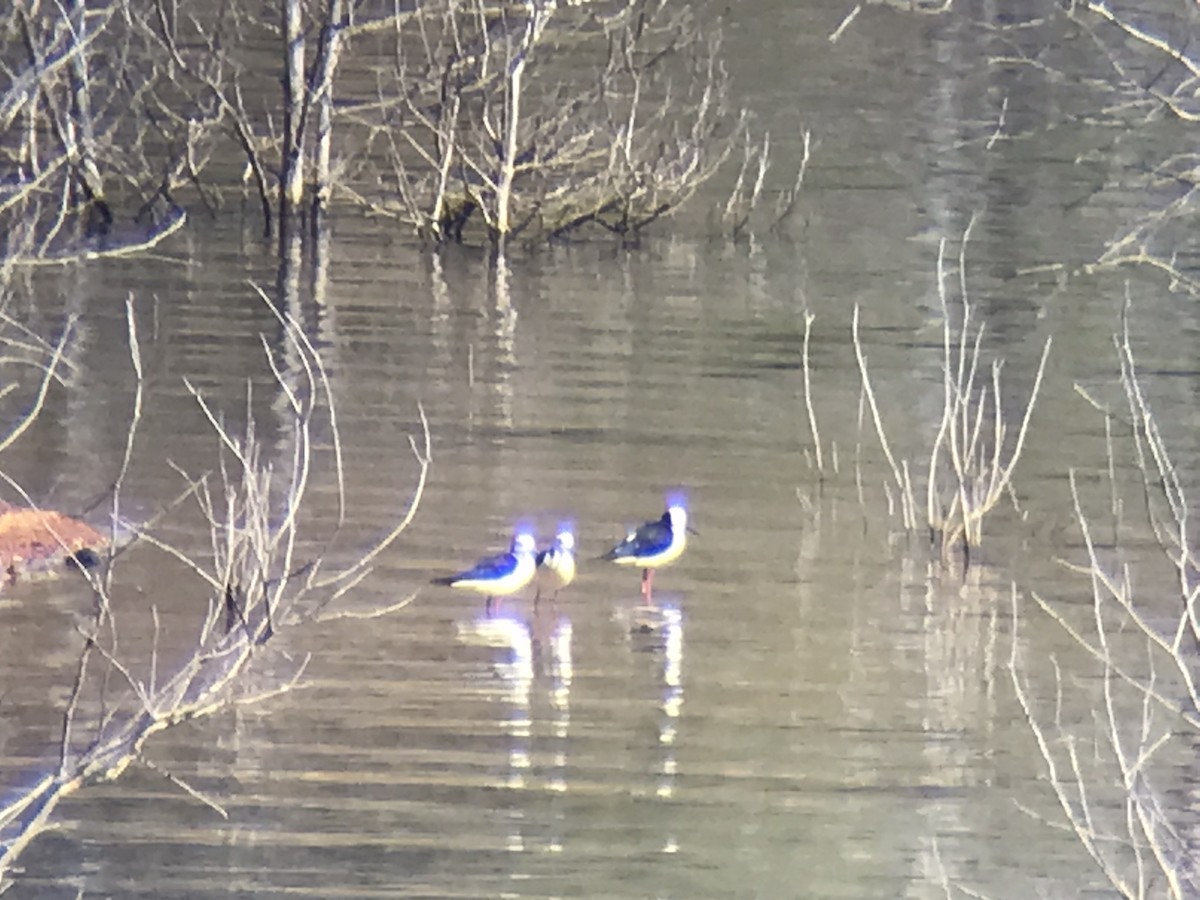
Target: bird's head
{"points": [[677, 513], [523, 542]]}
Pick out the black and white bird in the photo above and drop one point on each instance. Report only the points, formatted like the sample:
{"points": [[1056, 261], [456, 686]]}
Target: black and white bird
{"points": [[499, 575], [653, 545], [556, 564]]}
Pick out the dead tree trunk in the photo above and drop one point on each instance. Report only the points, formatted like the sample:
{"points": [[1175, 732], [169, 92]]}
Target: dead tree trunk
{"points": [[292, 169], [81, 127], [539, 14], [327, 62]]}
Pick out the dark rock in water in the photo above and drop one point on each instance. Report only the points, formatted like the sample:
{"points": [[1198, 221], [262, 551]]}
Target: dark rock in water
{"points": [[86, 558]]}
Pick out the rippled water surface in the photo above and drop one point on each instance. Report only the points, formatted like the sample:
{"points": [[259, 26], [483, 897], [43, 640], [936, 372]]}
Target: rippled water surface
{"points": [[822, 710]]}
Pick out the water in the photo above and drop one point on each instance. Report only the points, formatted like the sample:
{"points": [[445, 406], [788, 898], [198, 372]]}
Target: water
{"points": [[826, 711]]}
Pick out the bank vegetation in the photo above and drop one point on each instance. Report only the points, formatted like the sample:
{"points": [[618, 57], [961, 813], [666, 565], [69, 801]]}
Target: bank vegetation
{"points": [[454, 120]]}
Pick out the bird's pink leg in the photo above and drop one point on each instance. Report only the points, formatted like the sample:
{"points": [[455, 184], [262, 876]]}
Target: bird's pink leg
{"points": [[647, 585]]}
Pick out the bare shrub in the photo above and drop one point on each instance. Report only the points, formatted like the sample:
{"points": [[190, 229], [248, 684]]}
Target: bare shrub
{"points": [[539, 118], [535, 118], [262, 575], [1115, 775], [973, 454]]}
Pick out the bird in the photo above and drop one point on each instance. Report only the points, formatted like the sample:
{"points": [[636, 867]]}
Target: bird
{"points": [[499, 575], [556, 564], [654, 544]]}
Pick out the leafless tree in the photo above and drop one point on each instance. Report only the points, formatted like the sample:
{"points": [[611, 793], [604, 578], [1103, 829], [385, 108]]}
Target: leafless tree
{"points": [[541, 118], [263, 574], [1116, 775], [535, 118]]}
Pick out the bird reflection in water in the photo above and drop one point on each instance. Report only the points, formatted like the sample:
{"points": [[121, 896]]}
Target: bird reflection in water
{"points": [[658, 633], [534, 670], [534, 652], [660, 630]]}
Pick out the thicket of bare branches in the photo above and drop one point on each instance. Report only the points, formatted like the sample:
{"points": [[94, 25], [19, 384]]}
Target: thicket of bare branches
{"points": [[263, 573], [543, 118], [1123, 775], [468, 119], [106, 120], [1134, 69], [1121, 778], [1154, 68], [969, 462]]}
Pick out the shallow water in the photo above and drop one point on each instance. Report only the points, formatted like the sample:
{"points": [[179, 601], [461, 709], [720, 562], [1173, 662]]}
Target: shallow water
{"points": [[826, 710]]}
